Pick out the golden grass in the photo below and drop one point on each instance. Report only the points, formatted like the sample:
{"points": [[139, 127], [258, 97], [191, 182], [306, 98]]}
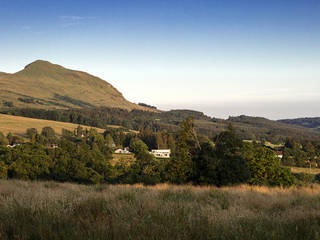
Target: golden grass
{"points": [[50, 210], [305, 170], [18, 125]]}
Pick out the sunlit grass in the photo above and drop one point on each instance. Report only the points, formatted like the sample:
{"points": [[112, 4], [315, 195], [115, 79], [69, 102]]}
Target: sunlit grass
{"points": [[18, 125], [50, 210]]}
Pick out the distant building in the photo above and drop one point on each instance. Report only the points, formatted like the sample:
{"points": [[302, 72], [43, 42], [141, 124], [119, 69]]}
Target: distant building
{"points": [[161, 153], [52, 146], [14, 145], [122, 151], [279, 154]]}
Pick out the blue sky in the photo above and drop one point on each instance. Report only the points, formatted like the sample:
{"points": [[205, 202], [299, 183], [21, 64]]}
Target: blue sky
{"points": [[224, 57]]}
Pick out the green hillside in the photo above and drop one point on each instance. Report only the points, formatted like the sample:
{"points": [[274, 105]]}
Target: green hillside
{"points": [[304, 122], [42, 84], [274, 131]]}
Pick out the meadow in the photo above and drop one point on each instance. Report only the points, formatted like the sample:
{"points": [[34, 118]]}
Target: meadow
{"points": [[313, 171], [18, 125], [51, 210]]}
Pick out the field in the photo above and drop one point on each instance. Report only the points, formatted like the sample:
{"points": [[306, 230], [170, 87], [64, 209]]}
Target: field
{"points": [[305, 170], [49, 210], [18, 125], [122, 158]]}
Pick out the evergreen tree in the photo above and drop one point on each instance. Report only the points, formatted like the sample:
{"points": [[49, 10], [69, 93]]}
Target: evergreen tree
{"points": [[181, 166]]}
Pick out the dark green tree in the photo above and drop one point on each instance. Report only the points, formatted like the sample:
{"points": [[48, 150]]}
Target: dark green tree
{"points": [[181, 166], [231, 168]]}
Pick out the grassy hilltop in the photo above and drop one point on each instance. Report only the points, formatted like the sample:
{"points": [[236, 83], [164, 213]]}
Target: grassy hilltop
{"points": [[49, 210], [44, 85]]}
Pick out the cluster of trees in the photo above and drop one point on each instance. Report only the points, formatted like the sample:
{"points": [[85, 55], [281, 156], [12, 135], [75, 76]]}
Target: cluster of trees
{"points": [[69, 158], [85, 156], [301, 154]]}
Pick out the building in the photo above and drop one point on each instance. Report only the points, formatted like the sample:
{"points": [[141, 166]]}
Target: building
{"points": [[161, 153], [122, 151], [279, 154]]}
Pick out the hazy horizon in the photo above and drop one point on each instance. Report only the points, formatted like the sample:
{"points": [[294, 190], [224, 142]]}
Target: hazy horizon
{"points": [[225, 58]]}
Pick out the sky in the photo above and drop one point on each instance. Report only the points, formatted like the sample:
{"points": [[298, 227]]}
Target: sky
{"points": [[223, 57]]}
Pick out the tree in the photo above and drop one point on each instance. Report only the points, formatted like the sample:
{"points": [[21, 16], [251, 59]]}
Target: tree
{"points": [[145, 169], [32, 134], [206, 163], [137, 146], [181, 166], [3, 139], [265, 167], [231, 167], [49, 134], [10, 138], [109, 141]]}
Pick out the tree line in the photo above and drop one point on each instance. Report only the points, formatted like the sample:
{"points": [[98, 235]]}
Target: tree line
{"points": [[252, 128], [85, 156]]}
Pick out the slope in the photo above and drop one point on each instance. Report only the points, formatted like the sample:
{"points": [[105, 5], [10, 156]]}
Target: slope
{"points": [[19, 125], [42, 84]]}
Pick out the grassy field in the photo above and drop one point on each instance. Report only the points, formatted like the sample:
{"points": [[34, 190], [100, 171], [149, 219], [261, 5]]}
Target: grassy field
{"points": [[18, 125], [49, 210], [126, 159], [305, 170]]}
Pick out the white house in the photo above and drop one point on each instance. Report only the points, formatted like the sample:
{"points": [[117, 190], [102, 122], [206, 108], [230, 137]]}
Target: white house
{"points": [[279, 154], [161, 153], [122, 151]]}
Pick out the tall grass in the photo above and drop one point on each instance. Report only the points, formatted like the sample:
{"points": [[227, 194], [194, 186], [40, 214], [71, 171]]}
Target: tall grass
{"points": [[49, 210]]}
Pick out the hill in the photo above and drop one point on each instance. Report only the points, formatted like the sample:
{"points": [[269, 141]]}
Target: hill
{"points": [[304, 122], [272, 130], [44, 85], [18, 125]]}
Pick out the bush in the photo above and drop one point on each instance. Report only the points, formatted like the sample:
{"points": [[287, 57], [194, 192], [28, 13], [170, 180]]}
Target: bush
{"points": [[317, 178], [304, 178]]}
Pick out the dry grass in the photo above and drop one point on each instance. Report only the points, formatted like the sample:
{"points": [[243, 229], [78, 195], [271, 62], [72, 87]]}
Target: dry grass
{"points": [[125, 159], [305, 170], [18, 125], [49, 210]]}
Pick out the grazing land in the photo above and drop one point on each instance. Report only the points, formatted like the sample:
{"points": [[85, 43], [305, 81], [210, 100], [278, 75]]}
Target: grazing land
{"points": [[305, 170], [18, 125], [50, 210]]}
